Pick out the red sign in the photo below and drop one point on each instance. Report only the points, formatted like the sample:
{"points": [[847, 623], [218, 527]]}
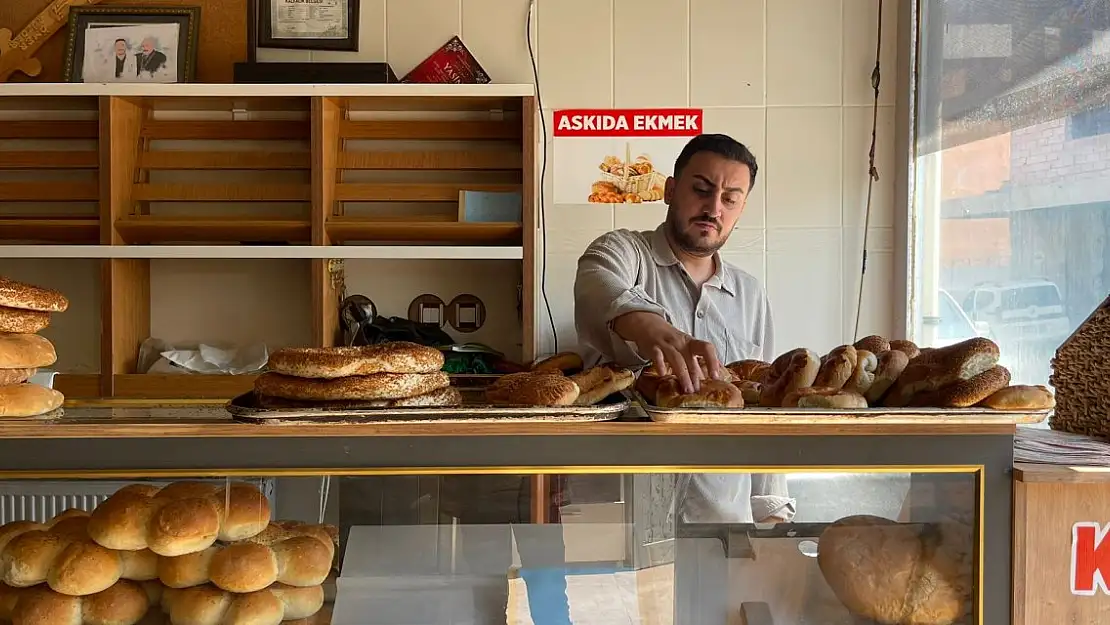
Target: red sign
{"points": [[628, 123], [1090, 559]]}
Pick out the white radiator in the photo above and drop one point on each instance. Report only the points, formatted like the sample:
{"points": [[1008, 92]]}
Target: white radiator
{"points": [[41, 500]]}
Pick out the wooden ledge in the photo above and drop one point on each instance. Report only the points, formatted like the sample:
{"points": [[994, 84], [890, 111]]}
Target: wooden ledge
{"points": [[1028, 473]]}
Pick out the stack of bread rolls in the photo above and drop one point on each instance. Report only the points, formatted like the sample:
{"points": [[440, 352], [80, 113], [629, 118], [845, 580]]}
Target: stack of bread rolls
{"points": [[559, 381], [206, 554], [387, 375], [873, 372], [24, 311]]}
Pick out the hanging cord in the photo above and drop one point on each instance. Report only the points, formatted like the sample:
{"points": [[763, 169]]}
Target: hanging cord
{"points": [[872, 171], [543, 175]]}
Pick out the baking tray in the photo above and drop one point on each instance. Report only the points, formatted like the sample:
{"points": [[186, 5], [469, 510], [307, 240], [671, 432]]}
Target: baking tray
{"points": [[474, 410], [803, 415]]}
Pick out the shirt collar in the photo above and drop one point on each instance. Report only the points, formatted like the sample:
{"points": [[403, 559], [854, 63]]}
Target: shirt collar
{"points": [[664, 256]]}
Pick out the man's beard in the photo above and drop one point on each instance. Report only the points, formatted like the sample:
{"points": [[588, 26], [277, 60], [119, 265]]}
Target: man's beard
{"points": [[693, 244]]}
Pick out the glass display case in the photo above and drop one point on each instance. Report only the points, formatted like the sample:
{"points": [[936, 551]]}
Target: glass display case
{"points": [[147, 521]]}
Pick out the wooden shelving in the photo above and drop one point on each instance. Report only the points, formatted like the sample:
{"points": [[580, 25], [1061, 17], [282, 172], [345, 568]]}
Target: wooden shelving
{"points": [[255, 171]]}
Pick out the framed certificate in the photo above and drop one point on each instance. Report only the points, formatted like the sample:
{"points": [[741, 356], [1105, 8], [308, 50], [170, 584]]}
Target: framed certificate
{"points": [[306, 24]]}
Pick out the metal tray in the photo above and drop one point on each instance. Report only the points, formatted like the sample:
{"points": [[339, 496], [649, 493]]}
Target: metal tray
{"points": [[246, 408], [803, 415]]}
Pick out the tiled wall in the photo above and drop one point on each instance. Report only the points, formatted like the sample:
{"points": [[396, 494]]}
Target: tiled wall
{"points": [[791, 78]]}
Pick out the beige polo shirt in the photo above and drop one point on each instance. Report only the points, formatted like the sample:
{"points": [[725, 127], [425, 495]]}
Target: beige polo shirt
{"points": [[626, 271]]}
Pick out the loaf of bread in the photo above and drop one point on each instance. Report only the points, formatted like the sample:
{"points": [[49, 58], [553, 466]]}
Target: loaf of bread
{"points": [[899, 574], [563, 362], [533, 389], [710, 394], [208, 605], [123, 603], [64, 558], [789, 372], [184, 517], [9, 377], [597, 383], [27, 297], [28, 400], [341, 362], [23, 321], [21, 351], [938, 368], [352, 388], [1020, 397], [244, 567]]}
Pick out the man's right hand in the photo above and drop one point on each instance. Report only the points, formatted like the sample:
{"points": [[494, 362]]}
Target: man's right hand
{"points": [[669, 348]]}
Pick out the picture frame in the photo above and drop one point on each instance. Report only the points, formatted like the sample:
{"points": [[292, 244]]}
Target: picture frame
{"points": [[132, 44], [296, 25]]}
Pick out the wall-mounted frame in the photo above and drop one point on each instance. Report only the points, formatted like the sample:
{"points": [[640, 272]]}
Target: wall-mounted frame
{"points": [[293, 24], [133, 44]]}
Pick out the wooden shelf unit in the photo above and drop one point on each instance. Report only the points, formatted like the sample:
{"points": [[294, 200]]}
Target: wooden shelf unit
{"points": [[329, 157]]}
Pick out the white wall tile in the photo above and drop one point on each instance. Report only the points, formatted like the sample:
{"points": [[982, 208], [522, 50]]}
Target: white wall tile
{"points": [[726, 52], [650, 53], [371, 38], [417, 28], [748, 126], [804, 169], [804, 52], [754, 263], [571, 227], [806, 287], [857, 142], [877, 312], [575, 53], [860, 30], [639, 216], [494, 30]]}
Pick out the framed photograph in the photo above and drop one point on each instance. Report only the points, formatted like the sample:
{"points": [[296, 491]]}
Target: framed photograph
{"points": [[132, 44], [305, 24]]}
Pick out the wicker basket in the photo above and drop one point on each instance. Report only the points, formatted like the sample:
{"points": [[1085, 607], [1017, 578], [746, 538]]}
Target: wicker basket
{"points": [[1081, 376], [639, 184]]}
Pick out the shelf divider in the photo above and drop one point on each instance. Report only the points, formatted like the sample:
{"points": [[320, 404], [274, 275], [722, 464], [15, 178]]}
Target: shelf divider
{"points": [[327, 117]]}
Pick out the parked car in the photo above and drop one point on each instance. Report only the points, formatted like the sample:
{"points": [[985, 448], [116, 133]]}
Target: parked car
{"points": [[953, 324], [1030, 311]]}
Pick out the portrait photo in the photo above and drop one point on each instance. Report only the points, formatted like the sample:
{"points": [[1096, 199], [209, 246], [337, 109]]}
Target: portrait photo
{"points": [[132, 44]]}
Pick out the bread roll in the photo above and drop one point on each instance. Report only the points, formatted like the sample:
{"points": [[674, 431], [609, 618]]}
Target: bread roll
{"points": [[889, 368], [793, 370], [124, 603], [208, 605], [863, 375], [1020, 397], [908, 348], [710, 394], [28, 400], [899, 574], [27, 297], [942, 366], [749, 390], [248, 567], [23, 321], [597, 383], [837, 367], [21, 351], [341, 362], [874, 344], [647, 384], [446, 396], [833, 399], [748, 369], [184, 517], [65, 559], [9, 377], [533, 389], [965, 393], [562, 362], [359, 387]]}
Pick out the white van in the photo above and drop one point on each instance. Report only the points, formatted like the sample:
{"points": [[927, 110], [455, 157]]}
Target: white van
{"points": [[953, 325], [1030, 310]]}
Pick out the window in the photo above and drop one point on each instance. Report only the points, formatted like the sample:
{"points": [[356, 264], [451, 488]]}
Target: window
{"points": [[1025, 248]]}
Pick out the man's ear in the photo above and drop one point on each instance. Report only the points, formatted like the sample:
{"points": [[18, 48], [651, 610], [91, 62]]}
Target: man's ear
{"points": [[668, 190]]}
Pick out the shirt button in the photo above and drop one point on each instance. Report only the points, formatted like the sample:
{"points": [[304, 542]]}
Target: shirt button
{"points": [[701, 314]]}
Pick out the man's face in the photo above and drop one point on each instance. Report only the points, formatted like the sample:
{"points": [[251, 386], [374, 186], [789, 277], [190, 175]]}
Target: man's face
{"points": [[121, 48], [148, 45], [705, 201]]}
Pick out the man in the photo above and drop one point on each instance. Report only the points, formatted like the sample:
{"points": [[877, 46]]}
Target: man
{"points": [[666, 297], [149, 59], [123, 63]]}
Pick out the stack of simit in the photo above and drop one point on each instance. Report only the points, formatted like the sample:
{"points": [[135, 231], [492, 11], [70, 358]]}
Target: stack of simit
{"points": [[25, 310], [204, 553], [396, 374]]}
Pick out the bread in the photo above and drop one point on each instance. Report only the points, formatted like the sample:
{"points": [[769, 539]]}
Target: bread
{"points": [[874, 344], [889, 368], [359, 387], [9, 377], [342, 362], [28, 400], [184, 517], [793, 370], [965, 393], [21, 351], [748, 369], [908, 348], [749, 391], [832, 399], [124, 603], [940, 367], [597, 383], [559, 363], [837, 367], [446, 396], [1020, 397], [249, 566], [27, 297], [647, 384], [899, 574], [278, 531], [208, 605], [863, 375], [533, 389], [23, 321], [710, 394]]}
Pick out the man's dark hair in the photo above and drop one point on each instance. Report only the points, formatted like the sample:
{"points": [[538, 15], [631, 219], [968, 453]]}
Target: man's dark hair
{"points": [[721, 145], [119, 40]]}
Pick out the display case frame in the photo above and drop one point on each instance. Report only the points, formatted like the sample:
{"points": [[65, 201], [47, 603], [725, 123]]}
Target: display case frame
{"points": [[107, 444]]}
